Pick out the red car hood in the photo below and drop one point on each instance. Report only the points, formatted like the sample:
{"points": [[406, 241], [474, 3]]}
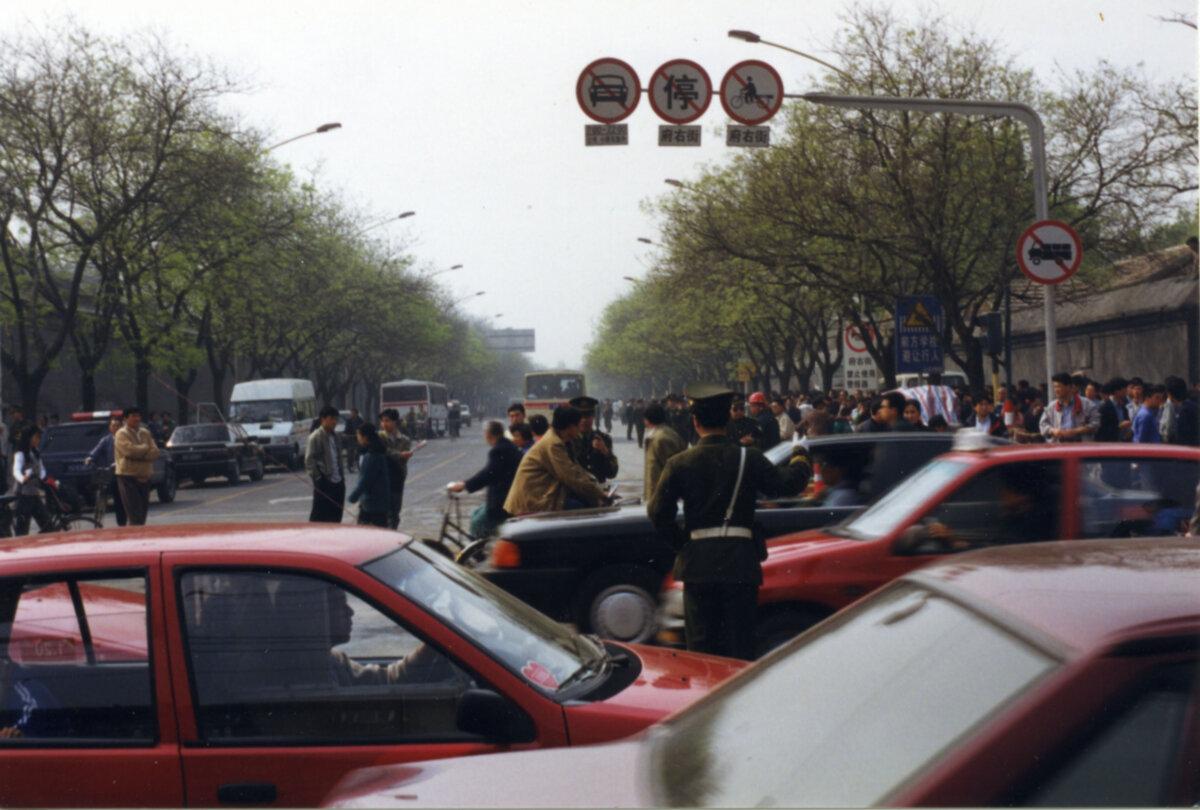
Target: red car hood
{"points": [[673, 679], [791, 546], [596, 776]]}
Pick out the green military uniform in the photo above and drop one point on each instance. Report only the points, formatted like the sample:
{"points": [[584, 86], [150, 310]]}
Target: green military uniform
{"points": [[718, 555], [743, 426], [396, 445], [602, 466], [662, 444]]}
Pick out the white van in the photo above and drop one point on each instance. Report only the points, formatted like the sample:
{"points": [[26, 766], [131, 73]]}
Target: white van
{"points": [[277, 414]]}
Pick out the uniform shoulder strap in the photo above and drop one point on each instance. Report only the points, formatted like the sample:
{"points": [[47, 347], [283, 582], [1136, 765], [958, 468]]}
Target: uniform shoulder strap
{"points": [[737, 485]]}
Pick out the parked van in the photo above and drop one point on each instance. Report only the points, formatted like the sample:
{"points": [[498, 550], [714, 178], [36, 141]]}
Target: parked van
{"points": [[277, 414]]}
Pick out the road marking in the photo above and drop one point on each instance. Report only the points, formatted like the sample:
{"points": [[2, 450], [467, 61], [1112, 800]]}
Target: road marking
{"points": [[231, 496], [434, 467], [297, 499]]}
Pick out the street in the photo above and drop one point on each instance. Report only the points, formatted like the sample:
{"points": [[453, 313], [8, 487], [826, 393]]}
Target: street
{"points": [[286, 496]]}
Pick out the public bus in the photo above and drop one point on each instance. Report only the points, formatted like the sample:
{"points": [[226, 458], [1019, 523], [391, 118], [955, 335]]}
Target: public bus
{"points": [[546, 390], [426, 400]]}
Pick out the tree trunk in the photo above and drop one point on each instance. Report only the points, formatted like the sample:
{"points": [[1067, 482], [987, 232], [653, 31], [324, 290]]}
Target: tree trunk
{"points": [[87, 388], [141, 370]]}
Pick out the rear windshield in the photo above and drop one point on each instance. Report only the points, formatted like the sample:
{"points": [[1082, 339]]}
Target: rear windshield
{"points": [[190, 434], [403, 393], [73, 438]]}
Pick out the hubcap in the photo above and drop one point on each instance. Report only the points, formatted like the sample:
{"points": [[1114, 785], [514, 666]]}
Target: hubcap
{"points": [[624, 613]]}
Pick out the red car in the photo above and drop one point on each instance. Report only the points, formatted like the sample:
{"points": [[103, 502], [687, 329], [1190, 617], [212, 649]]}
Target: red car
{"points": [[961, 500], [260, 664], [1056, 674]]}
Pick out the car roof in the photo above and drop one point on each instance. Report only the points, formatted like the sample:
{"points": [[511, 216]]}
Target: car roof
{"points": [[885, 436], [1035, 452], [1078, 595], [350, 544]]}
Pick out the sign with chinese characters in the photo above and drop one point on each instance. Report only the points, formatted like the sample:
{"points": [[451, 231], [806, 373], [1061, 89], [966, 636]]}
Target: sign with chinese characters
{"points": [[678, 135], [680, 91], [510, 340], [606, 135], [736, 135], [1049, 252], [857, 372], [608, 90], [919, 320], [751, 92]]}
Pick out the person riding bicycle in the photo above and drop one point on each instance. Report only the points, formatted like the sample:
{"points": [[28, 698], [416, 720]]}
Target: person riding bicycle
{"points": [[29, 474], [750, 92], [497, 475], [103, 457]]}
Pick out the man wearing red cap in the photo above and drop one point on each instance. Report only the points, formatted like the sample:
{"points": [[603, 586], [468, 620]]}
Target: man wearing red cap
{"points": [[768, 425]]}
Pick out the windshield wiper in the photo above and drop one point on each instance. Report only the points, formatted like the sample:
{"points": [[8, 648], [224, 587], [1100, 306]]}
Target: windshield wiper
{"points": [[588, 669], [619, 659]]}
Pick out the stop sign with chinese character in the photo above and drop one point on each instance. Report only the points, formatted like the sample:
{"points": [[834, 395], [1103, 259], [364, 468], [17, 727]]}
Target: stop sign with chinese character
{"points": [[680, 91]]}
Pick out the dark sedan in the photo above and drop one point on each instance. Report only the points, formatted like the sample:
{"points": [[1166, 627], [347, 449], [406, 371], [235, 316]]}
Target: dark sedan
{"points": [[215, 449], [65, 448], [602, 568]]}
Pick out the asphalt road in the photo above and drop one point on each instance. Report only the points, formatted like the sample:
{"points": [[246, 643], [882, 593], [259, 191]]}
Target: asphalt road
{"points": [[286, 497]]}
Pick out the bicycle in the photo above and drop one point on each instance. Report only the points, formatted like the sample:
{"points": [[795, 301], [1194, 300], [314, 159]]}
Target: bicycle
{"points": [[744, 96], [63, 508], [455, 539]]}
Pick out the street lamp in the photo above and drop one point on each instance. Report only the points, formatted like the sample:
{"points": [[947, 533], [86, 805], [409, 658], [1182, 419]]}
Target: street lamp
{"points": [[644, 239], [1021, 113], [671, 181], [631, 278], [319, 130], [386, 221], [466, 297]]}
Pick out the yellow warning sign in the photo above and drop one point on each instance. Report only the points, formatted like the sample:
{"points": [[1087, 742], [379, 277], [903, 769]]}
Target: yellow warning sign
{"points": [[919, 318]]}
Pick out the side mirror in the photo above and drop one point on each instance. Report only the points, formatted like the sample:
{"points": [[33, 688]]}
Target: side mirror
{"points": [[493, 717], [912, 540]]}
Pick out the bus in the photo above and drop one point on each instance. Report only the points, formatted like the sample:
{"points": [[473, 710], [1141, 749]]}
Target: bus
{"points": [[426, 400], [546, 390]]}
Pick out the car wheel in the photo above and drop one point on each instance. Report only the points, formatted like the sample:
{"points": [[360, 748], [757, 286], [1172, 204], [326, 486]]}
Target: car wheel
{"points": [[781, 626], [234, 474], [166, 490], [619, 603], [259, 471]]}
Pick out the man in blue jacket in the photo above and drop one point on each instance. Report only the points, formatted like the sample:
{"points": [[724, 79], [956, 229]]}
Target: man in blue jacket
{"points": [[497, 475]]}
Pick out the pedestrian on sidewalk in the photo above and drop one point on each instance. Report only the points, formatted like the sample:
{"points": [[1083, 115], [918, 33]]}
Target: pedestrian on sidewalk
{"points": [[325, 466], [29, 474], [399, 451], [374, 485], [135, 451]]}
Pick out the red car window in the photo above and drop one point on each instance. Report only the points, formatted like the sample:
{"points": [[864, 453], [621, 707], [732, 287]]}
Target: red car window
{"points": [[297, 659], [73, 664]]}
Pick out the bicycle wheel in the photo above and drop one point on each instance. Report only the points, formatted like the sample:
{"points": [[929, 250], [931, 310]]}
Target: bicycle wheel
{"points": [[70, 523], [736, 101]]}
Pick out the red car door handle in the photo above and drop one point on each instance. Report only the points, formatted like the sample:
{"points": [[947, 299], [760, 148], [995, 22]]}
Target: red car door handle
{"points": [[247, 793]]}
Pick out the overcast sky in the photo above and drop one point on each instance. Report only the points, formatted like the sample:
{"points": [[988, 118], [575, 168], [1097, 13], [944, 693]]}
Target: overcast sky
{"points": [[465, 112]]}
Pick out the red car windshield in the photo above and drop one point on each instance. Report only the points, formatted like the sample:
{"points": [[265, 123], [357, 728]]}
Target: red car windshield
{"points": [[847, 714]]}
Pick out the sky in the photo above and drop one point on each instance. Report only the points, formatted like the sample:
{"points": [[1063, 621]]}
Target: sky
{"points": [[465, 113]]}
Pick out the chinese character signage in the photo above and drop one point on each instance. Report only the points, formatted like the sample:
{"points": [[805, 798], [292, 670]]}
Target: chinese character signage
{"points": [[919, 321], [736, 135], [606, 135], [678, 136]]}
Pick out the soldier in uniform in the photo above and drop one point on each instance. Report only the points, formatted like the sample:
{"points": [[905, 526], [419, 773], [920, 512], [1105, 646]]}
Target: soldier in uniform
{"points": [[719, 556], [680, 418], [593, 449], [742, 429], [662, 442]]}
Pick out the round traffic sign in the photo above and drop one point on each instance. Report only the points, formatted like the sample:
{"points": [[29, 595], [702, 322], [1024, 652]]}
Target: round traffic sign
{"points": [[608, 90], [1049, 252], [680, 91], [751, 92], [854, 339]]}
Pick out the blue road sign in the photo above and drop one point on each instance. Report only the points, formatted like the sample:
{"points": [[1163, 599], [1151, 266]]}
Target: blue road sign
{"points": [[919, 321]]}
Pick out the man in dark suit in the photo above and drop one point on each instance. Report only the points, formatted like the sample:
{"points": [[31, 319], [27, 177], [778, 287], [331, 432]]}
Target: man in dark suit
{"points": [[497, 475]]}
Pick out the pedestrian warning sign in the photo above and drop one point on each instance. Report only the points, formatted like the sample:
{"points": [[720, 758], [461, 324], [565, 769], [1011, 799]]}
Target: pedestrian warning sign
{"points": [[919, 317]]}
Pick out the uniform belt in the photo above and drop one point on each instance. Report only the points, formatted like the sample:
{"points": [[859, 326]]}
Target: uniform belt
{"points": [[722, 531]]}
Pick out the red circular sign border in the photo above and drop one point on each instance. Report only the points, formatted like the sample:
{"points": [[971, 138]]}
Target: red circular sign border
{"points": [[637, 94], [737, 117], [707, 102], [852, 327], [1058, 223]]}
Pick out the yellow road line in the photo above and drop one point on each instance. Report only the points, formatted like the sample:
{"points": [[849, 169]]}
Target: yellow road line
{"points": [[434, 467], [230, 496]]}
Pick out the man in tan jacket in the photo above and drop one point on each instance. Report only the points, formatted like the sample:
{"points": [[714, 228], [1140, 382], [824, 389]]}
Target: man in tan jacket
{"points": [[662, 442], [547, 476], [135, 452]]}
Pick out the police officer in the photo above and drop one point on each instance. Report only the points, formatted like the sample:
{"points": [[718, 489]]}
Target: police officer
{"points": [[593, 449], [719, 555]]}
